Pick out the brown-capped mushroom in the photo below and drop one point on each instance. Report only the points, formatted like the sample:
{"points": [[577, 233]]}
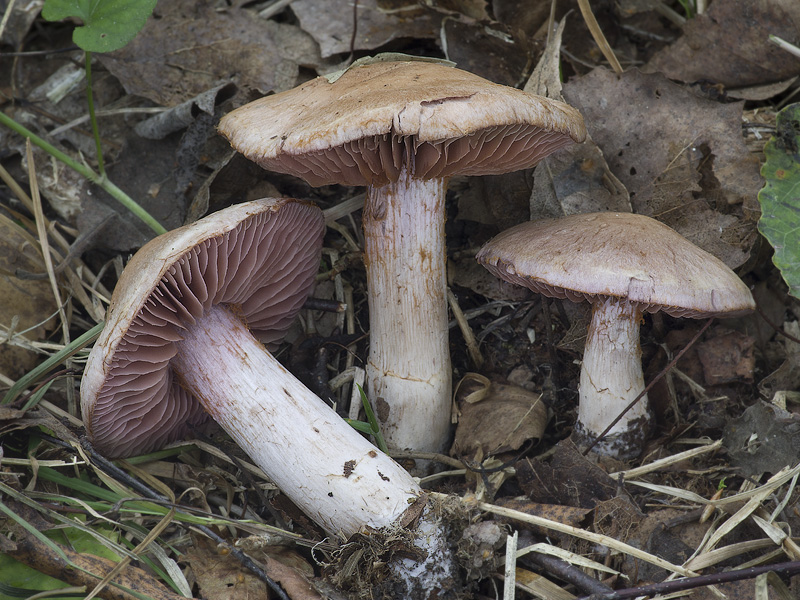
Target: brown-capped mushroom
{"points": [[625, 265], [181, 341], [402, 129]]}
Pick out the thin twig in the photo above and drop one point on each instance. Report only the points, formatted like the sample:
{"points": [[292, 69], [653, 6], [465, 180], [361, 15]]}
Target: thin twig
{"points": [[777, 329], [690, 583], [355, 31], [566, 572]]}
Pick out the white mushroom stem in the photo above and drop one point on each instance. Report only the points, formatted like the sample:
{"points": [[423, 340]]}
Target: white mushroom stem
{"points": [[611, 377], [322, 464], [408, 371]]}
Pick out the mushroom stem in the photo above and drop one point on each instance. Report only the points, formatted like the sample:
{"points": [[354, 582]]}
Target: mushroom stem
{"points": [[611, 377], [321, 463], [408, 372]]}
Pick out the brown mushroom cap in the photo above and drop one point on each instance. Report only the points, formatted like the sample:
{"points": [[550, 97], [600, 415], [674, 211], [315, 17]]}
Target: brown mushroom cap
{"points": [[622, 255], [362, 128], [259, 258]]}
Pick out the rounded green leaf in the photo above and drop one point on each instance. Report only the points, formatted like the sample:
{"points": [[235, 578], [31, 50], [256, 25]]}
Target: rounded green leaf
{"points": [[107, 24], [780, 196]]}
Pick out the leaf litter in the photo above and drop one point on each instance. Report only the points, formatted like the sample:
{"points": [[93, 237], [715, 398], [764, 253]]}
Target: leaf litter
{"points": [[701, 499]]}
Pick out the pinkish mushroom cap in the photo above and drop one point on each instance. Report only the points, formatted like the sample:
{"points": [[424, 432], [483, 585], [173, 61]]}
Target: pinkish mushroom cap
{"points": [[617, 255], [258, 258], [363, 128]]}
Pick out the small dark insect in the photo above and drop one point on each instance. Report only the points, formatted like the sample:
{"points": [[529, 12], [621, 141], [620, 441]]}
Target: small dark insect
{"points": [[348, 468]]}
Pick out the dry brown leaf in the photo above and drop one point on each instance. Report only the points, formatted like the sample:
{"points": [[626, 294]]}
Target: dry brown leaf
{"points": [[64, 189], [681, 157], [765, 438], [147, 168], [527, 17], [192, 47], [576, 179], [220, 576], [617, 517], [26, 304], [648, 533], [729, 44], [503, 420], [787, 376], [491, 51], [727, 357], [21, 16], [291, 579], [568, 515], [500, 200], [467, 273], [471, 9], [568, 478], [331, 24]]}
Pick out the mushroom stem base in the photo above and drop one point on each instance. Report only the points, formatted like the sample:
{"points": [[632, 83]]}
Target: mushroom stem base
{"points": [[611, 377]]}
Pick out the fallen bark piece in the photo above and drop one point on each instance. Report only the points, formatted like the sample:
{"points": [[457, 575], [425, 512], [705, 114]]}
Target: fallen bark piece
{"points": [[130, 584]]}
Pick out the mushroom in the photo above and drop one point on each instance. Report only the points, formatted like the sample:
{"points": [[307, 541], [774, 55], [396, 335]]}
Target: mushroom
{"points": [[402, 129], [625, 265], [176, 346]]}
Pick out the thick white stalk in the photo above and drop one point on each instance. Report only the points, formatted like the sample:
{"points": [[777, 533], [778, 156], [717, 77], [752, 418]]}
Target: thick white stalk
{"points": [[611, 377], [408, 371], [322, 464]]}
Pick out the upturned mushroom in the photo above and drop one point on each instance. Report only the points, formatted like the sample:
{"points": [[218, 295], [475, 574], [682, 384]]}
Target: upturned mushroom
{"points": [[402, 129], [183, 339], [625, 265]]}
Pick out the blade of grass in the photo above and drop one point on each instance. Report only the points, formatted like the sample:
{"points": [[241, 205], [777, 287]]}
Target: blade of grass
{"points": [[372, 427], [88, 173], [59, 357], [34, 532], [36, 397], [171, 573], [597, 34], [44, 242], [92, 116], [360, 426], [119, 501], [59, 518], [137, 551]]}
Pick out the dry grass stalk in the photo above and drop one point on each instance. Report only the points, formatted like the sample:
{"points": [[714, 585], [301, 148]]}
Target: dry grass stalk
{"points": [[663, 463], [589, 536]]}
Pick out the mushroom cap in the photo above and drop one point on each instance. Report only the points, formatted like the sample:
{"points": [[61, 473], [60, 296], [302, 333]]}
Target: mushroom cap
{"points": [[259, 258], [361, 129], [622, 255]]}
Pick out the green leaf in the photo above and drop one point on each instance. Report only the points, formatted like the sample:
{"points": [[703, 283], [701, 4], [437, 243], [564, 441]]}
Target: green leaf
{"points": [[108, 25], [360, 426], [780, 197]]}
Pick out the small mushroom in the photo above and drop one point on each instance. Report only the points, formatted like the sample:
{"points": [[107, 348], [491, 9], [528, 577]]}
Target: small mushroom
{"points": [[181, 342], [402, 129], [625, 265]]}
